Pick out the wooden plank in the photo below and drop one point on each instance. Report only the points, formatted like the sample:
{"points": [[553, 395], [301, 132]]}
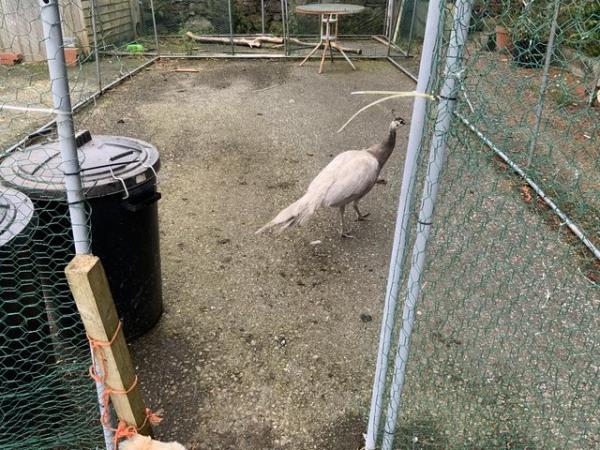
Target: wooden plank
{"points": [[136, 17], [114, 21], [90, 289], [22, 31], [74, 23], [22, 28], [114, 10]]}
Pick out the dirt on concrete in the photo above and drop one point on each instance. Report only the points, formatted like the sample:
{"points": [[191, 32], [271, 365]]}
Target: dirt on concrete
{"points": [[266, 342], [270, 342]]}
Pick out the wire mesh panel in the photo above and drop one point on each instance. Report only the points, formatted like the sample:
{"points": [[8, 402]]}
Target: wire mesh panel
{"points": [[100, 47], [407, 25], [505, 304], [532, 81], [201, 27], [47, 400], [121, 40], [503, 354], [368, 22], [355, 30]]}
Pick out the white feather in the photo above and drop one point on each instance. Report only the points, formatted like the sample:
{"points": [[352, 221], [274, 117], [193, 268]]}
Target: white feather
{"points": [[348, 177], [139, 442]]}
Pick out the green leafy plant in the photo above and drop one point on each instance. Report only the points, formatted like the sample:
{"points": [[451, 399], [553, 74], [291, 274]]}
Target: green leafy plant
{"points": [[580, 23]]}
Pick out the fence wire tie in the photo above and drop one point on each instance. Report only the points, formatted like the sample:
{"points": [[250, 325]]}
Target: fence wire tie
{"points": [[450, 99]]}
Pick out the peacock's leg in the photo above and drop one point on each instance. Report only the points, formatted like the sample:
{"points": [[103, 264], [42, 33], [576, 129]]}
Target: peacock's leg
{"points": [[359, 216], [344, 234]]}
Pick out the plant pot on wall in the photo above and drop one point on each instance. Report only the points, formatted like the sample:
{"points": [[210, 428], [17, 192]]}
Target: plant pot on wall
{"points": [[503, 39], [71, 54]]}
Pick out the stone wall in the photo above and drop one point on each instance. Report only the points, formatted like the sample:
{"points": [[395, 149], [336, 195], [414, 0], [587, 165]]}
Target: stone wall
{"points": [[211, 16]]}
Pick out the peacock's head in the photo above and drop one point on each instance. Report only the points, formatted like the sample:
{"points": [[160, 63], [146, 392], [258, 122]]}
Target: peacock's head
{"points": [[396, 123]]}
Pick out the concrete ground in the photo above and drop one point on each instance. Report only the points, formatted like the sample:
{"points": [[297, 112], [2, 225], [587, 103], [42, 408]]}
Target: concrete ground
{"points": [[270, 342], [265, 342]]}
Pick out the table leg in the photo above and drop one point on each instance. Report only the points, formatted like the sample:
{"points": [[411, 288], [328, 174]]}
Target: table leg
{"points": [[327, 43], [312, 52], [337, 21], [339, 49], [331, 51]]}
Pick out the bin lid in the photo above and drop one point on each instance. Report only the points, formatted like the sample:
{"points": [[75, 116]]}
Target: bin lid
{"points": [[109, 165], [16, 211]]}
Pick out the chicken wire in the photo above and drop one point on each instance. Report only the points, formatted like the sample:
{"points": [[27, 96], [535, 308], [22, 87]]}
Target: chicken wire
{"points": [[503, 349], [47, 400], [251, 19], [504, 296], [96, 33]]}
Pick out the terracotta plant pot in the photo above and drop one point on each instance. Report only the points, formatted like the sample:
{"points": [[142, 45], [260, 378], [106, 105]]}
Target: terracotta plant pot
{"points": [[503, 40], [71, 54], [10, 58]]}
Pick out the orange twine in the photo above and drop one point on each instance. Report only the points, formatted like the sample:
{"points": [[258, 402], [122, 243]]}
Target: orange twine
{"points": [[123, 430]]}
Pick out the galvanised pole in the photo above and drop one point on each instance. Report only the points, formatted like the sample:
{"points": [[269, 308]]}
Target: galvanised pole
{"points": [[53, 40], [417, 126], [437, 157]]}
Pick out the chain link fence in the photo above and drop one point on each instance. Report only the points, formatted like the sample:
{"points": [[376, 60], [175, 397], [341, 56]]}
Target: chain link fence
{"points": [[206, 27], [499, 320], [47, 400], [493, 342]]}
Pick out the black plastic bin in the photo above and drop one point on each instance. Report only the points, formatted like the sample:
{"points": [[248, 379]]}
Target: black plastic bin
{"points": [[119, 181]]}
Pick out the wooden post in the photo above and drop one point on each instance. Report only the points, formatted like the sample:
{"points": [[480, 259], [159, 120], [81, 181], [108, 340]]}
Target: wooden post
{"points": [[90, 289]]}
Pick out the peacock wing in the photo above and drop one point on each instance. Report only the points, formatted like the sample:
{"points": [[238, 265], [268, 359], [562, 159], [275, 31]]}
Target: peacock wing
{"points": [[348, 177]]}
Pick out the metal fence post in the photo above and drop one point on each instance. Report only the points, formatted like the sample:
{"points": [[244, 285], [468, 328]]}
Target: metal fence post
{"points": [[95, 37], [285, 27], [154, 29], [388, 18], [230, 14], [53, 40], [435, 165], [544, 85], [389, 21], [402, 221], [412, 26], [262, 15]]}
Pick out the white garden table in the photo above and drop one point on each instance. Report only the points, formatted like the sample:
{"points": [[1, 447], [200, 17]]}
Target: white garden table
{"points": [[329, 16]]}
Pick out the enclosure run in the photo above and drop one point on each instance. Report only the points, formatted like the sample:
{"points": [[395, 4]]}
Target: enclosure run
{"points": [[272, 341]]}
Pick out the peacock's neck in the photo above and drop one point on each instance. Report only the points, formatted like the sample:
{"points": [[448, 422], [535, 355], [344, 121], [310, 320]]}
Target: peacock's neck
{"points": [[383, 151]]}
